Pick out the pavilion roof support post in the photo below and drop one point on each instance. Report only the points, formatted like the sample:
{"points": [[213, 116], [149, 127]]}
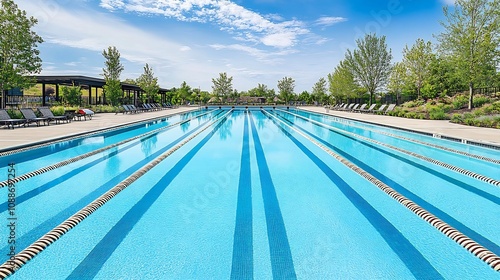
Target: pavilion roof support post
{"points": [[90, 95], [96, 95], [43, 95], [57, 92]]}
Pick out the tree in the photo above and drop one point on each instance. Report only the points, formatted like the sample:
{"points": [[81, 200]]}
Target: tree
{"points": [[471, 38], [370, 63], [286, 87], [397, 80], [72, 95], [342, 84], [111, 72], [149, 83], [19, 56], [222, 86], [319, 91], [261, 91], [184, 92], [417, 61], [305, 97]]}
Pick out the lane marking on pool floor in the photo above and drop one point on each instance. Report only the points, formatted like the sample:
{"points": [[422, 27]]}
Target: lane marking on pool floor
{"points": [[430, 160], [279, 247], [410, 256], [479, 157], [33, 234], [20, 259], [90, 266], [89, 154], [470, 245], [414, 197], [242, 260]]}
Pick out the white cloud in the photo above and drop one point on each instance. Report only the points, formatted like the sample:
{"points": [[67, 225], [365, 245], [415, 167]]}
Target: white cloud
{"points": [[242, 23], [329, 21]]}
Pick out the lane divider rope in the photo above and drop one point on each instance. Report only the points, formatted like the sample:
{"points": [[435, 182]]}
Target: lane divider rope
{"points": [[484, 158], [89, 154], [65, 139], [470, 245], [433, 161], [20, 259]]}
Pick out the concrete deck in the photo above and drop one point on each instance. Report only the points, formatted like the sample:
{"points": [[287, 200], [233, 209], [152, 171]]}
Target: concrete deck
{"points": [[10, 138], [487, 136]]}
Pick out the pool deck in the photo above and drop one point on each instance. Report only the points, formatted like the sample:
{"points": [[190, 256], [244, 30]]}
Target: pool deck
{"points": [[22, 136], [18, 137], [443, 128]]}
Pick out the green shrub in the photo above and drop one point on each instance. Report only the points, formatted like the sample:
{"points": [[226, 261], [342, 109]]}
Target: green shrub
{"points": [[414, 103], [439, 115], [72, 95], [104, 109], [57, 110], [457, 118], [15, 114], [460, 101], [480, 101]]}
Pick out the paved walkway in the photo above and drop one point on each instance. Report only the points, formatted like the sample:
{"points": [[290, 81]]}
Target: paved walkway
{"points": [[489, 136], [21, 136], [10, 138]]}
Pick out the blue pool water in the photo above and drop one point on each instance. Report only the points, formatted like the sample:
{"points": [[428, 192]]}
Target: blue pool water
{"points": [[254, 194]]}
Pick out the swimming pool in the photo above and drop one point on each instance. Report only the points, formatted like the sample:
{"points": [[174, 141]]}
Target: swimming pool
{"points": [[242, 194]]}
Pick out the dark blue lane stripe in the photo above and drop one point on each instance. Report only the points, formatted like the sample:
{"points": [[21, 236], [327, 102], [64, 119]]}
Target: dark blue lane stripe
{"points": [[242, 267], [281, 256], [429, 170], [94, 261], [35, 233], [411, 257], [47, 186], [490, 245]]}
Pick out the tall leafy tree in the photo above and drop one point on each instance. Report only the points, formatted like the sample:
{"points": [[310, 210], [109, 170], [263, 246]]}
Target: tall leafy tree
{"points": [[397, 79], [370, 63], [471, 38], [184, 92], [286, 86], [262, 91], [222, 86], [19, 56], [444, 77], [341, 83], [111, 72], [417, 61], [149, 83], [305, 97], [319, 91]]}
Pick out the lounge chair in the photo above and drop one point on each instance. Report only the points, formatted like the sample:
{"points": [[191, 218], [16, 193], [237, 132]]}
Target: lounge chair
{"points": [[31, 117], [348, 108], [369, 110], [360, 108], [126, 109], [84, 113], [389, 108], [7, 120], [354, 108], [47, 113], [380, 109]]}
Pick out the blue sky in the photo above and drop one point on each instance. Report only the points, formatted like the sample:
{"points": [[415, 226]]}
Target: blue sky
{"points": [[254, 41]]}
